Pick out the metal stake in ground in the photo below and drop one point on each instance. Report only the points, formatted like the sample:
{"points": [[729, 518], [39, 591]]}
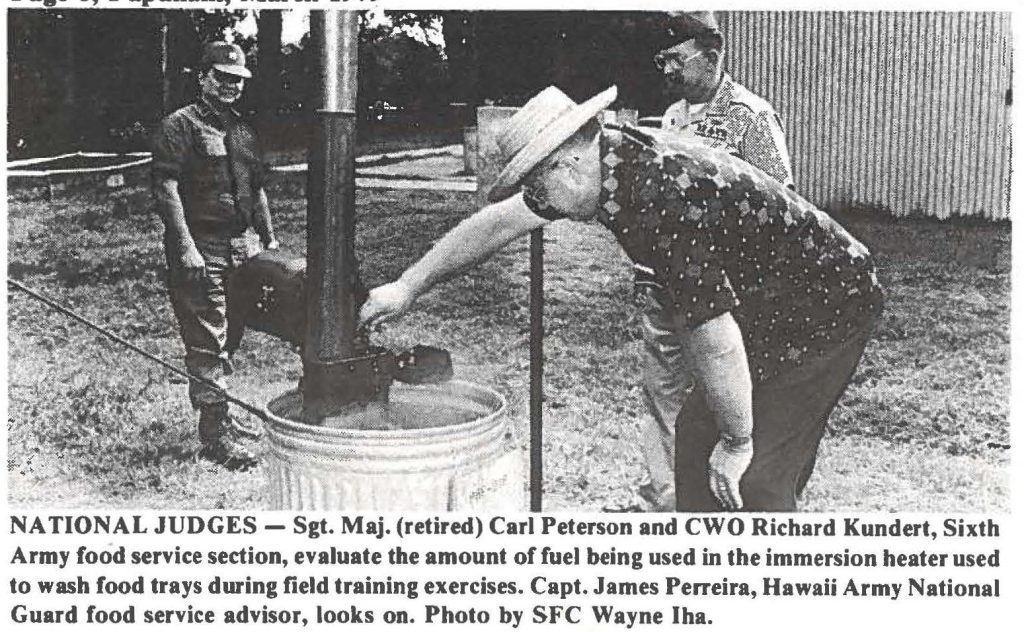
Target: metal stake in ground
{"points": [[537, 370], [331, 266]]}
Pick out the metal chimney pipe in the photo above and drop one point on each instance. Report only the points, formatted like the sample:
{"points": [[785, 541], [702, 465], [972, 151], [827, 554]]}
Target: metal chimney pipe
{"points": [[331, 266]]}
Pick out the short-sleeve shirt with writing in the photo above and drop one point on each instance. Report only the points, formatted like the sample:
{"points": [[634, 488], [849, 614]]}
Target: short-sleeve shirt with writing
{"points": [[738, 121], [721, 236]]}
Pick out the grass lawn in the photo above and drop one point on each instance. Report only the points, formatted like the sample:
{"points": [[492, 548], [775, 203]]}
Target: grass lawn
{"points": [[923, 426]]}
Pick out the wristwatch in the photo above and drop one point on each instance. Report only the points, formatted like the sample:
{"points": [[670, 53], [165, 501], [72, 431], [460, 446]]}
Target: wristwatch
{"points": [[736, 443]]}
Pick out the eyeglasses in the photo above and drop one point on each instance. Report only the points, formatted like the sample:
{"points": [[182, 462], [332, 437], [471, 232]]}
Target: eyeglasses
{"points": [[227, 77], [662, 60]]}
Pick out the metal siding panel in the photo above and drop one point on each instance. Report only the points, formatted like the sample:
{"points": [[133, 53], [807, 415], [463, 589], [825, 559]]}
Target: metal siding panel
{"points": [[997, 151], [801, 116], [1001, 130], [930, 99], [797, 130], [938, 94], [921, 111], [902, 32], [862, 112], [828, 175], [966, 203], [992, 171], [847, 88], [799, 104], [988, 154], [900, 122], [844, 52], [895, 108], [941, 81], [836, 167], [982, 74], [1003, 134], [890, 54], [910, 30], [825, 143], [825, 110], [966, 156], [817, 147], [872, 68], [811, 97], [950, 139], [964, 122]]}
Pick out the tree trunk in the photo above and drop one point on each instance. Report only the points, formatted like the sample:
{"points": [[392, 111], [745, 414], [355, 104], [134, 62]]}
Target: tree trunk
{"points": [[268, 67], [69, 79]]}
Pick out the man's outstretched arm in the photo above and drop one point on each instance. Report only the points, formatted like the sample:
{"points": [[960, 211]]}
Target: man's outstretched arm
{"points": [[473, 240]]}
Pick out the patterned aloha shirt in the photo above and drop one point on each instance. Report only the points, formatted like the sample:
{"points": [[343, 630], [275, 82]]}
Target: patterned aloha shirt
{"points": [[719, 235]]}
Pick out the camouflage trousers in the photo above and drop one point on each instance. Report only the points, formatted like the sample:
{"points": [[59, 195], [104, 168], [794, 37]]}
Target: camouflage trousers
{"points": [[200, 307]]}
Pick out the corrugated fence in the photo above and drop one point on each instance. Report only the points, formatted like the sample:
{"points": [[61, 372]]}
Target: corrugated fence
{"points": [[906, 111]]}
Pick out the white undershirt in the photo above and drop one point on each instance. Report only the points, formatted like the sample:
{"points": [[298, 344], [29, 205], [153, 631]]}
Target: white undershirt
{"points": [[681, 113]]}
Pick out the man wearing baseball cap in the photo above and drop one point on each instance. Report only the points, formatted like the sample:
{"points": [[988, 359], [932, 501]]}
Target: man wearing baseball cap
{"points": [[710, 107], [208, 181], [770, 299]]}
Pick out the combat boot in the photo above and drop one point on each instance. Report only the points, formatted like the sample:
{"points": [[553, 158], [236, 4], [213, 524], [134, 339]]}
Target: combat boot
{"points": [[227, 440]]}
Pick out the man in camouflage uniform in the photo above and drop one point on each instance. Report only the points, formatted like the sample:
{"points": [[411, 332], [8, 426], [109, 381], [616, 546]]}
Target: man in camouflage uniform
{"points": [[208, 180], [711, 108]]}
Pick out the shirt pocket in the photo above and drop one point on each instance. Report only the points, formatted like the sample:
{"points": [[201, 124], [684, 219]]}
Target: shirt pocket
{"points": [[210, 146], [212, 172]]}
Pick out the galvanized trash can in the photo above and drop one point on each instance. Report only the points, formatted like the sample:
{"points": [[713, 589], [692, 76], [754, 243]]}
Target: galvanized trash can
{"points": [[443, 447]]}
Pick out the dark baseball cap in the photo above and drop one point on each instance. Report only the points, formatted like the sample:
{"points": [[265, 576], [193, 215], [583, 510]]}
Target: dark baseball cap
{"points": [[226, 57], [681, 26]]}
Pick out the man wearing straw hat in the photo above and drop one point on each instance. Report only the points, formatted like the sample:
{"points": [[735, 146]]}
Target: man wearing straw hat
{"points": [[208, 181], [772, 301], [710, 107]]}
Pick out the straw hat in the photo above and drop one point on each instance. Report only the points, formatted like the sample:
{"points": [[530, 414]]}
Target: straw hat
{"points": [[538, 129]]}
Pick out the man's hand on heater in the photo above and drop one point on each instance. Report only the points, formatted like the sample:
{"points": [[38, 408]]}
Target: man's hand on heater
{"points": [[386, 302]]}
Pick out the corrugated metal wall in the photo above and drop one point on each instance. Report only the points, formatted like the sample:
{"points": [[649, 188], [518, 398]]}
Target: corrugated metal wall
{"points": [[907, 111]]}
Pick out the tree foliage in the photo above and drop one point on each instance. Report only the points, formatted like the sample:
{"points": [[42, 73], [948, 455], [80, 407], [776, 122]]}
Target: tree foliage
{"points": [[397, 68], [506, 57], [394, 67], [71, 89]]}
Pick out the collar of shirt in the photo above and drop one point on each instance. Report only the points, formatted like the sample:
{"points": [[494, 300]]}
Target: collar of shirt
{"points": [[222, 117], [719, 104]]}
